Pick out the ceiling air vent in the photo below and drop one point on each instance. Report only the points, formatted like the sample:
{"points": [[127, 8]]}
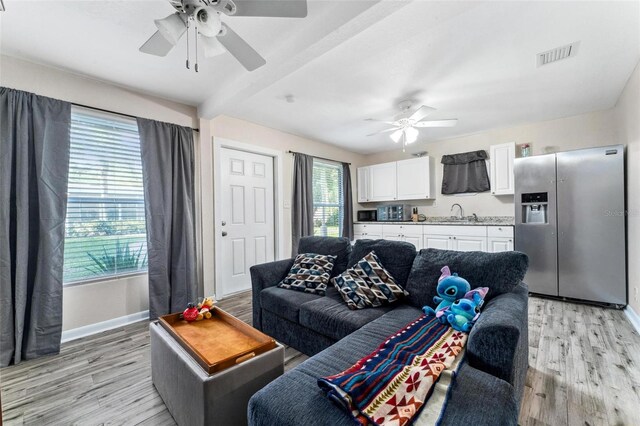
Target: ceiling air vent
{"points": [[557, 54]]}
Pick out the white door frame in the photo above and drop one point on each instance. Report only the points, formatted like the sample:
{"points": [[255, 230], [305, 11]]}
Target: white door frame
{"points": [[218, 144]]}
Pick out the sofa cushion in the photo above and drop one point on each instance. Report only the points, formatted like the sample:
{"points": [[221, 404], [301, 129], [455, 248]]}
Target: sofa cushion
{"points": [[339, 247], [367, 284], [331, 317], [285, 303], [396, 256], [310, 273], [501, 272]]}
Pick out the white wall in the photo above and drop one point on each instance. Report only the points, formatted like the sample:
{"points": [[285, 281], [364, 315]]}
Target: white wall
{"points": [[580, 131], [627, 113], [250, 133], [99, 301]]}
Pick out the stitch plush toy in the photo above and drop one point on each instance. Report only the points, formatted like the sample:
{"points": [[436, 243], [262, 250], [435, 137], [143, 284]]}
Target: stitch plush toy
{"points": [[450, 288], [463, 312]]}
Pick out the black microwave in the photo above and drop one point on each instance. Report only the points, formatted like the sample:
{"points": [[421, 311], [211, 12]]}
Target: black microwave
{"points": [[367, 216]]}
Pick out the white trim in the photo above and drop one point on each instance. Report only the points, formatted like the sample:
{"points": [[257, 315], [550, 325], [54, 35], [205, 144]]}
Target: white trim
{"points": [[633, 317], [88, 330], [278, 176]]}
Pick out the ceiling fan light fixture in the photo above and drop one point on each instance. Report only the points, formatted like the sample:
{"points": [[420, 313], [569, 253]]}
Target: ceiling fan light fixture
{"points": [[211, 46], [172, 27], [395, 136], [411, 134], [208, 20]]}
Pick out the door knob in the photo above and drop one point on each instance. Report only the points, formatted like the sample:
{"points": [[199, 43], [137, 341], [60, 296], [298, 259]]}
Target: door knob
{"points": [[224, 233], [224, 223]]}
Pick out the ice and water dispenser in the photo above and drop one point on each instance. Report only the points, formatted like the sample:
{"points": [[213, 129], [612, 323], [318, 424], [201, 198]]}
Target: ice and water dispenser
{"points": [[535, 207]]}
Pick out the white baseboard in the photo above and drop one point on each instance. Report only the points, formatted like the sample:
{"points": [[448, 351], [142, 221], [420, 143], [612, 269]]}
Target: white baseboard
{"points": [[88, 330], [633, 317]]}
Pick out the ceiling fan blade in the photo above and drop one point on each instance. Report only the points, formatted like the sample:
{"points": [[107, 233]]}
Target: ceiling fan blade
{"points": [[156, 45], [421, 113], [393, 129], [270, 8], [375, 120], [437, 123], [245, 54]]}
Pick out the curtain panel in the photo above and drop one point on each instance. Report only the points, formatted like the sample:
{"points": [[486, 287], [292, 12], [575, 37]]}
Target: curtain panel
{"points": [[302, 205], [34, 169], [168, 166], [347, 219]]}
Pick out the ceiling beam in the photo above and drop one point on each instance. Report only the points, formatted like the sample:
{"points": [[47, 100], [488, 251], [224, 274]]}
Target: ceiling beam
{"points": [[329, 34]]}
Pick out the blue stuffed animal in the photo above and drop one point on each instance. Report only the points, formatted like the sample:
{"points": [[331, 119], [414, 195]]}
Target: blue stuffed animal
{"points": [[463, 312], [450, 288]]}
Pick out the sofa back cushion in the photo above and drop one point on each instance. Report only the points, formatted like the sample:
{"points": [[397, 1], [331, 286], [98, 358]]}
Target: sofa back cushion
{"points": [[501, 272], [396, 256], [339, 247]]}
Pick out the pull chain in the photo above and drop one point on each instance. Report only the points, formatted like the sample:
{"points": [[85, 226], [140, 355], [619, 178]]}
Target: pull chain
{"points": [[196, 25], [187, 63]]}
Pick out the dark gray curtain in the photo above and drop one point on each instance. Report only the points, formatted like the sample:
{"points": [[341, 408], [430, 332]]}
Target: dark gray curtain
{"points": [[466, 172], [347, 220], [34, 170], [168, 169], [302, 205]]}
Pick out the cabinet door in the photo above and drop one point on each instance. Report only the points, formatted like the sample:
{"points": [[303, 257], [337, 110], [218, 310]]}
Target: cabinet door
{"points": [[438, 242], [502, 178], [374, 236], [363, 184], [413, 239], [466, 243], [382, 182], [413, 179], [498, 244], [359, 237]]}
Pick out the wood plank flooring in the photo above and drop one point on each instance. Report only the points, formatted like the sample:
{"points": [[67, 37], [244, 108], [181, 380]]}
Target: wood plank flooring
{"points": [[584, 370]]}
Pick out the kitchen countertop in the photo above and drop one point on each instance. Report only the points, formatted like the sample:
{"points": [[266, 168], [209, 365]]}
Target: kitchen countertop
{"points": [[447, 220]]}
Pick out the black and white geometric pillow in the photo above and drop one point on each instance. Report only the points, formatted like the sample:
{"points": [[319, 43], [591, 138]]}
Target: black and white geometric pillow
{"points": [[367, 284], [310, 273]]}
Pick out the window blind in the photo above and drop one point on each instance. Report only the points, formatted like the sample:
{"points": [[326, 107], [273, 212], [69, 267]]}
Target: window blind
{"points": [[328, 201], [105, 225]]}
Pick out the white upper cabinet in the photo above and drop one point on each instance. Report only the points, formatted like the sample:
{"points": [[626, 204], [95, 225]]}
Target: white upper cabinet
{"points": [[382, 182], [502, 178], [414, 179], [363, 184], [400, 180]]}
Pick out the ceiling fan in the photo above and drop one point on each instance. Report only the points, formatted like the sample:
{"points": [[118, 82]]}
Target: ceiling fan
{"points": [[214, 35], [407, 124]]}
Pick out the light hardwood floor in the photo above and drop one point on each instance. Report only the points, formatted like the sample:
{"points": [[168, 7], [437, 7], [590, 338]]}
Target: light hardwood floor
{"points": [[584, 370]]}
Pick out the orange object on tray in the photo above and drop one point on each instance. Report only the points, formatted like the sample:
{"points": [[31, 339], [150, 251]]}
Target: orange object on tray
{"points": [[219, 342]]}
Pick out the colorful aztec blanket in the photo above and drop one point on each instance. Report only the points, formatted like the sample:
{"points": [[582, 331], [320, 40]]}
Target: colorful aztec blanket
{"points": [[392, 384]]}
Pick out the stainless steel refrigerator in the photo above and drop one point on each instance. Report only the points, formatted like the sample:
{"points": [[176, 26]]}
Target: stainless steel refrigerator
{"points": [[570, 221]]}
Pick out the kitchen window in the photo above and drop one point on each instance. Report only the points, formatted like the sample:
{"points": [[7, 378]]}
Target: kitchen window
{"points": [[105, 232], [328, 201]]}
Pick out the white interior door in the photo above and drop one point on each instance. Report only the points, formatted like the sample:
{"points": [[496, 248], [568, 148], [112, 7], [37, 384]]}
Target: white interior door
{"points": [[247, 220]]}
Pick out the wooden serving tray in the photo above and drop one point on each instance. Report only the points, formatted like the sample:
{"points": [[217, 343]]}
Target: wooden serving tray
{"points": [[219, 342]]}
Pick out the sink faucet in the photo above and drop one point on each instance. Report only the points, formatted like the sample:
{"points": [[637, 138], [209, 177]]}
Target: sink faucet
{"points": [[475, 217], [461, 213]]}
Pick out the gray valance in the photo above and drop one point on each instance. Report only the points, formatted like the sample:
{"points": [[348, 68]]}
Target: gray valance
{"points": [[34, 169], [465, 172]]}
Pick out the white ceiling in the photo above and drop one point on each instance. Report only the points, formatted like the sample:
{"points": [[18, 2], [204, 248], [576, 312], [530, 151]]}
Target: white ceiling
{"points": [[351, 60]]}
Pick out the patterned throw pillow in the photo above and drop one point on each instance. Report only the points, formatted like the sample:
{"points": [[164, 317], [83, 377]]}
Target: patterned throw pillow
{"points": [[310, 273], [368, 285]]}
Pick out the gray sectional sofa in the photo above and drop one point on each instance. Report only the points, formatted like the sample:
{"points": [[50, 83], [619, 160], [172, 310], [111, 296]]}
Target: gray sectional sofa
{"points": [[489, 387]]}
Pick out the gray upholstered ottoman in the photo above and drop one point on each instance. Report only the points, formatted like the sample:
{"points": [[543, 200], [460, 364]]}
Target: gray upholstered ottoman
{"points": [[194, 397]]}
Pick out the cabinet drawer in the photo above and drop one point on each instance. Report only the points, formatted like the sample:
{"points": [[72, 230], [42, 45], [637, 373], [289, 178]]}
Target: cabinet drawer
{"points": [[409, 230], [471, 230], [500, 231], [362, 228]]}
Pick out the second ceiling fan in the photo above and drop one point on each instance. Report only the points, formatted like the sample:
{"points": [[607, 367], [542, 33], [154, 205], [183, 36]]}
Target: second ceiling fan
{"points": [[214, 35], [406, 125]]}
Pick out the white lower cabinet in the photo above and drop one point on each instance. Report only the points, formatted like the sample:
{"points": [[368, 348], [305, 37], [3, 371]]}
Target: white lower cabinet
{"points": [[409, 233], [444, 237]]}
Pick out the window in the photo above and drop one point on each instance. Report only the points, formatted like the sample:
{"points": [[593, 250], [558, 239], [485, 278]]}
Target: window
{"points": [[105, 228], [328, 202]]}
